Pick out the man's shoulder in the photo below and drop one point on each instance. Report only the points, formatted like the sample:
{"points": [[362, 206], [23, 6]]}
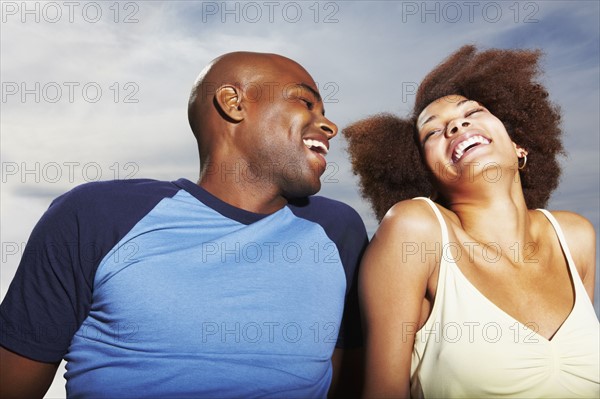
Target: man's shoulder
{"points": [[334, 216], [92, 190], [101, 200], [103, 192], [323, 208]]}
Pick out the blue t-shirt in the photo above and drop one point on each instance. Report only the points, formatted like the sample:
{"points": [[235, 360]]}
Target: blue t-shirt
{"points": [[159, 289]]}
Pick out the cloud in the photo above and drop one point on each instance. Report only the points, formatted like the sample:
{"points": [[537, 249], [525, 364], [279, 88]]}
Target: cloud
{"points": [[366, 56]]}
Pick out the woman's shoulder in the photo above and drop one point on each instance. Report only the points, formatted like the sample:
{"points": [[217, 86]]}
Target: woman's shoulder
{"points": [[396, 252], [410, 221], [580, 238], [414, 215], [570, 218], [575, 227]]}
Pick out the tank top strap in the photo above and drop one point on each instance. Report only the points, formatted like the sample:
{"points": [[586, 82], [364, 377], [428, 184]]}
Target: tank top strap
{"points": [[444, 267], [563, 243], [440, 219]]}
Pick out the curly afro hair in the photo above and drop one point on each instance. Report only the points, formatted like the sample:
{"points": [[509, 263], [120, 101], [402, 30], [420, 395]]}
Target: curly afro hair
{"points": [[504, 82]]}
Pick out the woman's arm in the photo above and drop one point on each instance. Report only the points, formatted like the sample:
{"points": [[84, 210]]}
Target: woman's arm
{"points": [[393, 284]]}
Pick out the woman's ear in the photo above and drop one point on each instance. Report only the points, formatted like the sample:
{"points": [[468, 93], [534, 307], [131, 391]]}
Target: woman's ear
{"points": [[228, 99], [521, 152]]}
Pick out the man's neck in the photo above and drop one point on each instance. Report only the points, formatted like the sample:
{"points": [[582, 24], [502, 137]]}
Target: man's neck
{"points": [[249, 197]]}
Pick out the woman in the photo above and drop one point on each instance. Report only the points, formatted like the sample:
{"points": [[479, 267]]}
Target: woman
{"points": [[478, 294]]}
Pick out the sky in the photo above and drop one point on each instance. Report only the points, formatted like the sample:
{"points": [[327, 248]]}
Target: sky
{"points": [[98, 90]]}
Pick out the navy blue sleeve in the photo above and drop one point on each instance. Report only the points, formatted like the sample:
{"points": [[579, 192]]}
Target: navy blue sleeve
{"points": [[51, 292], [346, 229]]}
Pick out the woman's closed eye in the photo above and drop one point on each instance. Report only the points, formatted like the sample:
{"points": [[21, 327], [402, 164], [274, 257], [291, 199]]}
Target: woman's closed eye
{"points": [[431, 133], [474, 111]]}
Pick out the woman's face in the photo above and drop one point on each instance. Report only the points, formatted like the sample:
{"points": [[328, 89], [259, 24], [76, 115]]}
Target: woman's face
{"points": [[460, 139]]}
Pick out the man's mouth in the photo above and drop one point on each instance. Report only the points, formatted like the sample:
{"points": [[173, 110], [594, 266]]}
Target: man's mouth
{"points": [[316, 146], [466, 145]]}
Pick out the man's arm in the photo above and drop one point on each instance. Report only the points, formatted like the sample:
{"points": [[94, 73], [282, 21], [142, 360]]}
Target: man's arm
{"points": [[21, 377], [348, 373]]}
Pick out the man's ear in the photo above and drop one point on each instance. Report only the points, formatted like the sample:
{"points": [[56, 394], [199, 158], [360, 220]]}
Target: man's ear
{"points": [[228, 100]]}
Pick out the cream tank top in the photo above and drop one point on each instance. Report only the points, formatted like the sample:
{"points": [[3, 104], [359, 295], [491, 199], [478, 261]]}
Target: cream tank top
{"points": [[470, 348]]}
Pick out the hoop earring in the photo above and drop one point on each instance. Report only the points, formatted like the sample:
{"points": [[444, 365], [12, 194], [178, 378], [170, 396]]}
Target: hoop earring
{"points": [[521, 167]]}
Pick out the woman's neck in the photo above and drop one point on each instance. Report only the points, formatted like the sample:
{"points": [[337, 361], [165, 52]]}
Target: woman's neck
{"points": [[494, 216]]}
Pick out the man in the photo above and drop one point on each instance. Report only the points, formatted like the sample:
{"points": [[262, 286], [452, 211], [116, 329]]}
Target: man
{"points": [[234, 286]]}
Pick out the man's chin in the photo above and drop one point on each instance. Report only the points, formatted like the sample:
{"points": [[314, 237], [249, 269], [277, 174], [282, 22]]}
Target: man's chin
{"points": [[302, 191]]}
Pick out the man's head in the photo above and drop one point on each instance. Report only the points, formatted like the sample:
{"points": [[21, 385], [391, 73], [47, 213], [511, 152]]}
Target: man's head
{"points": [[261, 113]]}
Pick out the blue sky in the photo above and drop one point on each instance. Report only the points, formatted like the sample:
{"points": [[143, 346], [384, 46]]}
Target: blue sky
{"points": [[98, 90]]}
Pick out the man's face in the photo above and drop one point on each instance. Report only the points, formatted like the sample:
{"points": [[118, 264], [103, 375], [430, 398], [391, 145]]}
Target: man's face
{"points": [[286, 133]]}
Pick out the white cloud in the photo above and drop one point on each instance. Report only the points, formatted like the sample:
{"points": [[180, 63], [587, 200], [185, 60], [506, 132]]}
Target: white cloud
{"points": [[366, 56]]}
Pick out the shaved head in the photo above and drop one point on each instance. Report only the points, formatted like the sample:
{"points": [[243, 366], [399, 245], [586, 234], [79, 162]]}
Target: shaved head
{"points": [[239, 69]]}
